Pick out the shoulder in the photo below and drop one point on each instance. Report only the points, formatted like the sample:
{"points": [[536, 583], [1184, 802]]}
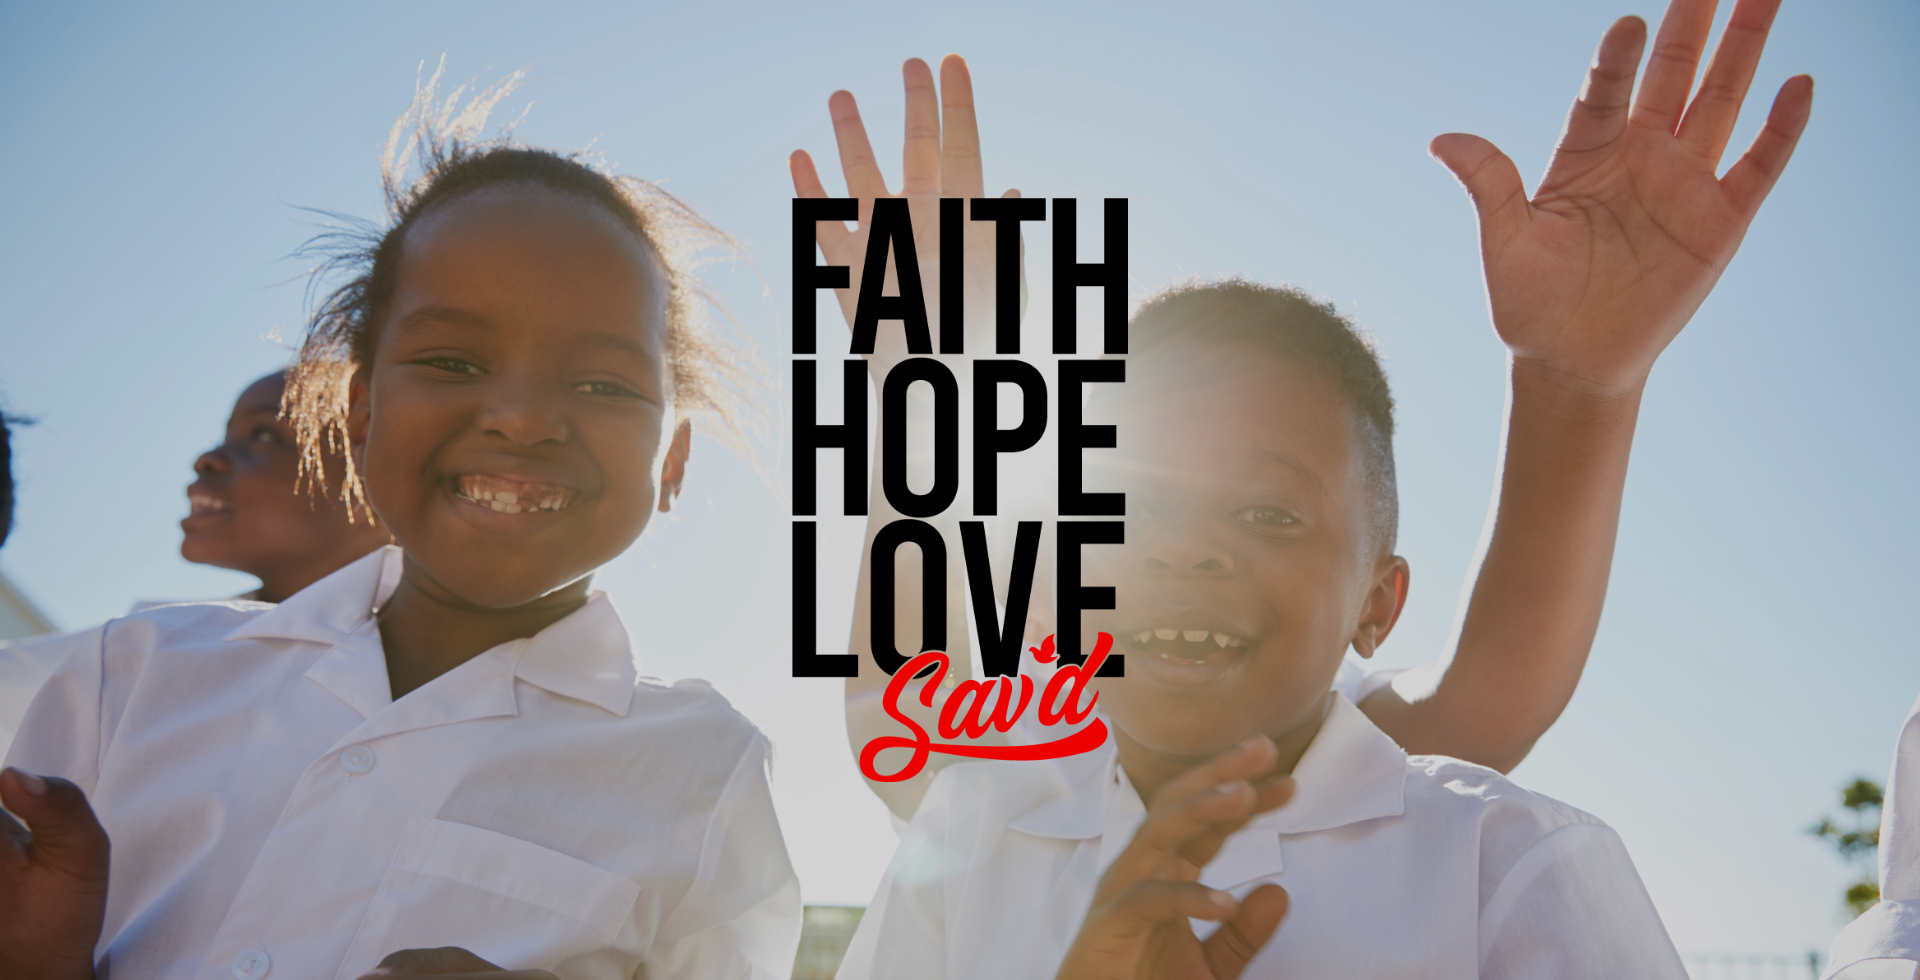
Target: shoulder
{"points": [[183, 623], [690, 712], [1509, 820]]}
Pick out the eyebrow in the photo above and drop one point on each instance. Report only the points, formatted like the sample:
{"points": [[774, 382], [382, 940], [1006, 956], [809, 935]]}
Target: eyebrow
{"points": [[1294, 464], [451, 315]]}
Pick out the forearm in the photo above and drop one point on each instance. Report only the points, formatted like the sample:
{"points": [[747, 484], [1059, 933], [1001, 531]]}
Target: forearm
{"points": [[1536, 600], [866, 716]]}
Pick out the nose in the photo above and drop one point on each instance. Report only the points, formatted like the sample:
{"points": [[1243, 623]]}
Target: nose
{"points": [[525, 411], [213, 461], [1181, 548]]}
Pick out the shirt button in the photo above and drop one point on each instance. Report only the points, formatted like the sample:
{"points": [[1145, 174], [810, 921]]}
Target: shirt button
{"points": [[356, 760], [252, 965]]}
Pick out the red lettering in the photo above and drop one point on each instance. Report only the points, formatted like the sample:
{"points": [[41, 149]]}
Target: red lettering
{"points": [[1002, 715]]}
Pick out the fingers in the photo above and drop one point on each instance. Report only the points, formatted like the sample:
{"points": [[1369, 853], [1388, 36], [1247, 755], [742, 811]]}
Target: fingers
{"points": [[67, 837], [960, 173], [806, 183], [1492, 181], [920, 154], [1599, 116], [1751, 179], [1709, 120], [856, 153], [1245, 932], [444, 961], [1193, 815], [1676, 55], [1149, 903]]}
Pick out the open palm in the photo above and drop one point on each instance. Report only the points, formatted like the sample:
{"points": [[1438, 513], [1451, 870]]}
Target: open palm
{"points": [[1595, 274], [941, 158]]}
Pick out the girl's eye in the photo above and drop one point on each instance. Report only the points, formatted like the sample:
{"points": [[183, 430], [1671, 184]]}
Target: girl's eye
{"points": [[606, 389], [265, 434], [451, 365], [1266, 515]]}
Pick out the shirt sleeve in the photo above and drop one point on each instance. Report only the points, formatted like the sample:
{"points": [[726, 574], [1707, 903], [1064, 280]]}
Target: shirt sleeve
{"points": [[903, 932], [741, 917], [1573, 908], [60, 734], [1882, 943]]}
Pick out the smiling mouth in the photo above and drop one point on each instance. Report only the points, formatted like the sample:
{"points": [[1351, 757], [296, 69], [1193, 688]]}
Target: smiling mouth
{"points": [[1187, 647], [204, 506], [508, 496]]}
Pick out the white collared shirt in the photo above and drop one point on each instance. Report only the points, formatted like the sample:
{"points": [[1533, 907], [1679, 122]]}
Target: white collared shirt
{"points": [[1397, 867], [274, 813], [1884, 943]]}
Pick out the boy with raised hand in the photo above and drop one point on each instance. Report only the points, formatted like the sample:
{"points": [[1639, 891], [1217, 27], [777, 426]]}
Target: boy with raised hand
{"points": [[1262, 510]]}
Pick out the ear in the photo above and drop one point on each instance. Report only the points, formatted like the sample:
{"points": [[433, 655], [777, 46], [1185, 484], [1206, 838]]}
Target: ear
{"points": [[359, 412], [673, 469], [1385, 599]]}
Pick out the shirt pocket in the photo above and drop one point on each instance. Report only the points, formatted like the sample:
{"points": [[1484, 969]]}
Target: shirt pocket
{"points": [[513, 903]]}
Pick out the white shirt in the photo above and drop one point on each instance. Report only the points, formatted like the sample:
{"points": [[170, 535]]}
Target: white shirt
{"points": [[274, 812], [1884, 943], [1397, 867]]}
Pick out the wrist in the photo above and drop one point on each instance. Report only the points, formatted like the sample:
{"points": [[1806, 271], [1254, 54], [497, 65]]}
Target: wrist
{"points": [[1540, 386]]}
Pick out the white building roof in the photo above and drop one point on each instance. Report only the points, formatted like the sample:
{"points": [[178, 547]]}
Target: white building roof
{"points": [[18, 617]]}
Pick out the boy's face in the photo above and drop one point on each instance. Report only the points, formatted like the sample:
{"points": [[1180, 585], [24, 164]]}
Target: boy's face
{"points": [[1247, 507], [246, 513], [519, 397]]}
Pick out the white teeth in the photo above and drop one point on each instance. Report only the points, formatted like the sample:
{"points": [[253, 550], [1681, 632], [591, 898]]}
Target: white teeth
{"points": [[507, 498], [1193, 636], [1143, 636], [503, 506], [1222, 639], [1166, 634]]}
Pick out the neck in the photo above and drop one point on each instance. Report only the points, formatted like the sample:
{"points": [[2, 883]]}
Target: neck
{"points": [[279, 584], [426, 631], [1148, 768]]}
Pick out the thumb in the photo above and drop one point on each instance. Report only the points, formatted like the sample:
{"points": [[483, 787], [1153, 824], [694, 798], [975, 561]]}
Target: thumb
{"points": [[1491, 179], [1245, 932], [66, 835]]}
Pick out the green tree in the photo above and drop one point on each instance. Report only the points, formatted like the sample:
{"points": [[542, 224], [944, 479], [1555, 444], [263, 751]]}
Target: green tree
{"points": [[1857, 840]]}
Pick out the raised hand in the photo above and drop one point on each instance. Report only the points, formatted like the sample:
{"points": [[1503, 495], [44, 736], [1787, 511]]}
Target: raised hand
{"points": [[53, 879], [941, 158], [1630, 229], [1137, 927]]}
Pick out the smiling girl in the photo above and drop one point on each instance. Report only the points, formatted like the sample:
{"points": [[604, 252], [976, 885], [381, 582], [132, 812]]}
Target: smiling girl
{"points": [[443, 744]]}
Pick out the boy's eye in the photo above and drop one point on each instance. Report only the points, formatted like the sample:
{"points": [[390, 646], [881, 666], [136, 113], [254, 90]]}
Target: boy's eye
{"points": [[265, 434], [451, 365], [1266, 515], [606, 389]]}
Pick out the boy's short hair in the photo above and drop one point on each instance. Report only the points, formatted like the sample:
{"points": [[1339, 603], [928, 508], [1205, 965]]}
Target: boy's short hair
{"points": [[1309, 334]]}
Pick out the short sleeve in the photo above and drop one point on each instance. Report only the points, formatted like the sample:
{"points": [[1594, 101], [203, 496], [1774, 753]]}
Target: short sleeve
{"points": [[1573, 908], [60, 732], [741, 916], [1882, 943], [902, 933]]}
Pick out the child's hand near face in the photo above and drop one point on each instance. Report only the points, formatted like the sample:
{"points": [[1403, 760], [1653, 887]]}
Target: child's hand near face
{"points": [[1138, 926], [1621, 242], [53, 879]]}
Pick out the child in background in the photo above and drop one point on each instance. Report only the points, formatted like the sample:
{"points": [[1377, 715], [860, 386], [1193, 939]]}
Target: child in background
{"points": [[444, 744], [1256, 453], [250, 513]]}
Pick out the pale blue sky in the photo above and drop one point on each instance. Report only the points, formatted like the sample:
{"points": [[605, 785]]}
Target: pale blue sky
{"points": [[1756, 650]]}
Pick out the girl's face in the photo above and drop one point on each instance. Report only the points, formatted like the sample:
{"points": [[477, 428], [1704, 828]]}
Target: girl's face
{"points": [[246, 513], [519, 396]]}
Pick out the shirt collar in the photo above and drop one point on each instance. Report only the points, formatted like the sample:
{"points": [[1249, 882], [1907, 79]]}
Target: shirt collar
{"points": [[587, 656], [1351, 772], [330, 609]]}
